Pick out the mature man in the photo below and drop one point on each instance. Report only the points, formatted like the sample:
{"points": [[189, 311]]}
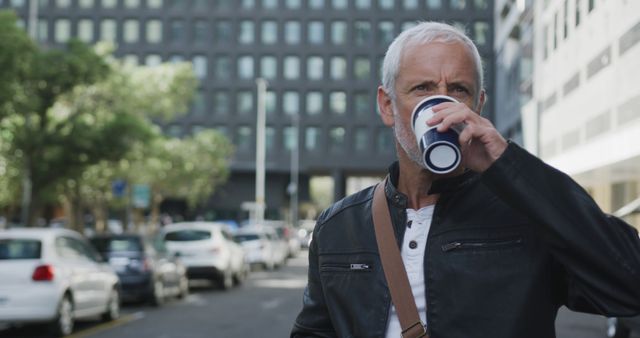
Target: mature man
{"points": [[492, 249]]}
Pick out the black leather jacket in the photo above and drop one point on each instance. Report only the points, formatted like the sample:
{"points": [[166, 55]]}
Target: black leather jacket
{"points": [[505, 250]]}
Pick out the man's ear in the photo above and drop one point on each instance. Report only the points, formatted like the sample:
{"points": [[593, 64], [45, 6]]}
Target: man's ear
{"points": [[385, 106], [481, 101]]}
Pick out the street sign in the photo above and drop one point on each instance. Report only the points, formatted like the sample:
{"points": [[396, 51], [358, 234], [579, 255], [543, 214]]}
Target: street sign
{"points": [[118, 188], [141, 196]]}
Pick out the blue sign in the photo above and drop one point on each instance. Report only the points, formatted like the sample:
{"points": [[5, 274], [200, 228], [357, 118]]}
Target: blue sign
{"points": [[118, 188]]}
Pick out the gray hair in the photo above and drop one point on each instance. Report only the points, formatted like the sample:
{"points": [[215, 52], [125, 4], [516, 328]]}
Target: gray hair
{"points": [[425, 32]]}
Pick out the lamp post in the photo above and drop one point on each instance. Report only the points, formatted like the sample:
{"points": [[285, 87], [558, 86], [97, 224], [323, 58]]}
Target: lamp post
{"points": [[295, 168], [260, 150]]}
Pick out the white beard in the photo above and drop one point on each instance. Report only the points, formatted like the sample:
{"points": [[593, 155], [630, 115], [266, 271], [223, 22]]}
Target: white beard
{"points": [[406, 138]]}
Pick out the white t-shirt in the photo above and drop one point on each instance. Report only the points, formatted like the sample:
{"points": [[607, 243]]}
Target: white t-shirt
{"points": [[412, 252]]}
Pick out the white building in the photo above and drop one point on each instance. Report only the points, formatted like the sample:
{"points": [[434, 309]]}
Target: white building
{"points": [[587, 96]]}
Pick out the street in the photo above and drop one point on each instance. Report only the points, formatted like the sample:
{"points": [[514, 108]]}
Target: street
{"points": [[265, 306]]}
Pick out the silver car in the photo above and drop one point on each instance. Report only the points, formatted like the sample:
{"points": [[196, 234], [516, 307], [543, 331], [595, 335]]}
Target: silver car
{"points": [[54, 276]]}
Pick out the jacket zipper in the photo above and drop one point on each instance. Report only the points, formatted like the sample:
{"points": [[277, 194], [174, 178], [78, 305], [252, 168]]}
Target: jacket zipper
{"points": [[480, 244], [346, 267]]}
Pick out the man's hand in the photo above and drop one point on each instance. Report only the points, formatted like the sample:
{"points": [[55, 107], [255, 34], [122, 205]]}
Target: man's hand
{"points": [[480, 142]]}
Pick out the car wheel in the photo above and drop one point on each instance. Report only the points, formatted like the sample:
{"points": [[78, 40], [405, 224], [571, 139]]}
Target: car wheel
{"points": [[113, 307], [184, 287], [157, 293], [226, 280], [63, 324], [615, 329]]}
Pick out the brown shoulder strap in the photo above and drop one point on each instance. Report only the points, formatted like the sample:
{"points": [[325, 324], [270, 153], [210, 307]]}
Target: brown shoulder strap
{"points": [[394, 271]]}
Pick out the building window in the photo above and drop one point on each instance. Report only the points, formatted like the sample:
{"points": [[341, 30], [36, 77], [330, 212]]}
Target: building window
{"points": [[292, 32], [386, 32], [131, 3], [458, 4], [481, 33], [86, 3], [362, 68], [269, 32], [199, 104], [269, 139], [246, 36], [223, 33], [108, 30], [152, 60], [410, 4], [315, 67], [336, 140], [248, 4], [109, 3], [268, 67], [244, 102], [223, 4], [223, 130], [200, 29], [312, 138], [338, 69], [316, 4], [85, 30], [269, 4], [338, 32], [363, 4], [362, 33], [291, 68], [293, 4], [243, 138], [62, 30], [338, 102], [177, 31], [200, 66], [481, 4], [289, 138], [434, 4], [155, 4], [385, 4], [270, 102], [340, 4], [174, 130], [384, 140], [59, 3], [221, 103], [314, 103], [201, 4], [222, 67], [361, 103], [176, 58], [130, 59], [361, 140], [245, 67], [316, 32], [131, 31], [43, 30], [154, 31], [291, 103]]}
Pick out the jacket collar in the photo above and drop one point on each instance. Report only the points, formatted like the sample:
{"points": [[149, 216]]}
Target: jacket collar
{"points": [[442, 185]]}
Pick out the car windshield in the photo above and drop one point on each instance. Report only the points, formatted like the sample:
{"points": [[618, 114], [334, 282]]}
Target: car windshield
{"points": [[19, 249], [246, 237], [187, 235], [117, 244]]}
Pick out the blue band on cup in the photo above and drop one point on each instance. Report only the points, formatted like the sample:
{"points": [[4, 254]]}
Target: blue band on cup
{"points": [[445, 143]]}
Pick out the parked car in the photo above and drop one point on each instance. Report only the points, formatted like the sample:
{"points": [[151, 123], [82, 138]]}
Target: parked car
{"points": [[54, 276], [146, 269], [622, 327], [208, 251], [287, 234], [262, 246]]}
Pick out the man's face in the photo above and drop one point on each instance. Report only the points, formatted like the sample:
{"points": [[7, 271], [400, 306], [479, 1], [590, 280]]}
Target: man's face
{"points": [[435, 68]]}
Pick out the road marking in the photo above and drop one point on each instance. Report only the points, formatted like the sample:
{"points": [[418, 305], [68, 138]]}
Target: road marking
{"points": [[272, 304], [109, 325]]}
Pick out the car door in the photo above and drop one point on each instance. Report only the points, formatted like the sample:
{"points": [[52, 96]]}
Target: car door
{"points": [[166, 263], [77, 269]]}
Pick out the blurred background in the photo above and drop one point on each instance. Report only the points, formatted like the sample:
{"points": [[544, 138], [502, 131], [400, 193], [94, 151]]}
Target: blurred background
{"points": [[128, 115]]}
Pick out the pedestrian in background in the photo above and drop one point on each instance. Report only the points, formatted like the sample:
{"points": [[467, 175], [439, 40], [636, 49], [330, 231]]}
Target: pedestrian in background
{"points": [[492, 249]]}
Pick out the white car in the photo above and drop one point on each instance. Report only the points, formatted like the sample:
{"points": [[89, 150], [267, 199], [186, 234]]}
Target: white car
{"points": [[208, 251], [53, 276], [262, 246]]}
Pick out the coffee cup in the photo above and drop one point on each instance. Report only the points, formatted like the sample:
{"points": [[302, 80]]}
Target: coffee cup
{"points": [[440, 150]]}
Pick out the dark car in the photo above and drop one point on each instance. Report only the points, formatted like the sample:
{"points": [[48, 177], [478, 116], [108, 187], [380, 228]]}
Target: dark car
{"points": [[622, 327], [146, 270]]}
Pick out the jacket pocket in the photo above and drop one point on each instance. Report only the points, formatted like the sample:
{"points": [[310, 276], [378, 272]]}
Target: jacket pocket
{"points": [[345, 267], [484, 244]]}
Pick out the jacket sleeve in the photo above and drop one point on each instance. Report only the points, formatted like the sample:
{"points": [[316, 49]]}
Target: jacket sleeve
{"points": [[599, 254], [313, 320]]}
